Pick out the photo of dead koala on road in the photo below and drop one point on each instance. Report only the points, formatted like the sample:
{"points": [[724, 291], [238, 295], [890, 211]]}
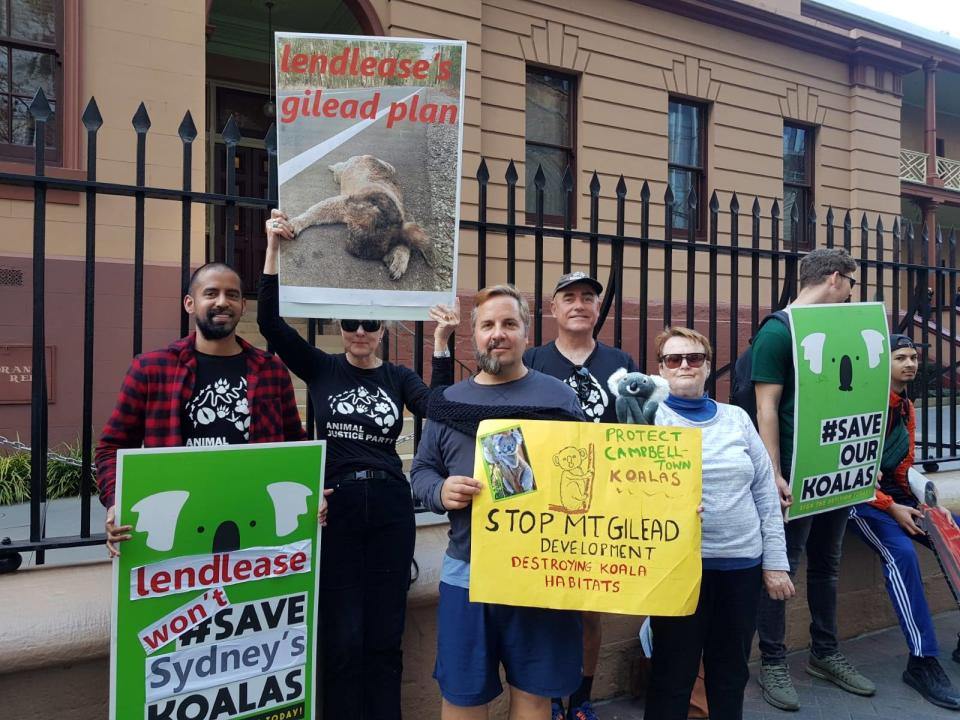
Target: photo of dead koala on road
{"points": [[368, 174], [370, 204]]}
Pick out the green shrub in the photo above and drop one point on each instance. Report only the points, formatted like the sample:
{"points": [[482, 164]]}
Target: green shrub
{"points": [[63, 479]]}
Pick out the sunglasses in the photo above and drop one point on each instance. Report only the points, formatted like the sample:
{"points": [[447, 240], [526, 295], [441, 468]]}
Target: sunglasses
{"points": [[369, 326], [675, 360], [853, 283]]}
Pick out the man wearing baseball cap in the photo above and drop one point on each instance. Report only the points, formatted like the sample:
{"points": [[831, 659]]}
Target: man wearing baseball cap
{"points": [[585, 364], [888, 525]]}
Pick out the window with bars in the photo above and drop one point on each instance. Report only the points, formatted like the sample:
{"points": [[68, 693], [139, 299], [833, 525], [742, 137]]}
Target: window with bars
{"points": [[30, 58], [797, 183], [550, 141], [687, 165]]}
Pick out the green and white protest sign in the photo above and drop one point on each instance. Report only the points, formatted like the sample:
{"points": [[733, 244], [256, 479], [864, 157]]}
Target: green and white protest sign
{"points": [[215, 595], [841, 358]]}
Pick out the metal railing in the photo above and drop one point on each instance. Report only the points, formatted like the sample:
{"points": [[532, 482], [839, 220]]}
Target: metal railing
{"points": [[723, 282]]}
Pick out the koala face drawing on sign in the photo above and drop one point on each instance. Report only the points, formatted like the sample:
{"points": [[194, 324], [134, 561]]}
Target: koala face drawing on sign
{"points": [[843, 361], [180, 519]]}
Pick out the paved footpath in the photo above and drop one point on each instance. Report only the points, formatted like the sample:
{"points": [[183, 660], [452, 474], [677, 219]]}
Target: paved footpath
{"points": [[880, 656]]}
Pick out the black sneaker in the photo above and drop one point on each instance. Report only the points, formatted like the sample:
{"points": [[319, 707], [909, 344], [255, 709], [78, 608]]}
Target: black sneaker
{"points": [[925, 675]]}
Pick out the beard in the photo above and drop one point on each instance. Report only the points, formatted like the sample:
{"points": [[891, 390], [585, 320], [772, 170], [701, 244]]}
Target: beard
{"points": [[486, 362], [215, 331]]}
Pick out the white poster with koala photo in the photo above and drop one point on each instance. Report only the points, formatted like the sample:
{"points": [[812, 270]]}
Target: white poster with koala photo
{"points": [[369, 148]]}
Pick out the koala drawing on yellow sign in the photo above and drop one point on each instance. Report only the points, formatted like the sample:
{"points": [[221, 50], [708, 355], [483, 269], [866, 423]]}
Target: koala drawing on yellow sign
{"points": [[576, 479]]}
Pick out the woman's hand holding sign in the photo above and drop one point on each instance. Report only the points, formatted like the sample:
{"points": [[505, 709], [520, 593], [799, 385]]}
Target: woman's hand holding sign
{"points": [[457, 491]]}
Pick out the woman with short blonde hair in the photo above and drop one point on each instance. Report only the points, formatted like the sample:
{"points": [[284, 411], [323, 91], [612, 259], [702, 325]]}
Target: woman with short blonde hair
{"points": [[742, 542]]}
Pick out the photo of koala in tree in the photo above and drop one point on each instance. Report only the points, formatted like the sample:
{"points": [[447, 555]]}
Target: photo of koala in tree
{"points": [[505, 460]]}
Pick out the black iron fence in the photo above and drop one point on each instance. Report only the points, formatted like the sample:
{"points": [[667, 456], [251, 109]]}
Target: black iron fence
{"points": [[723, 283]]}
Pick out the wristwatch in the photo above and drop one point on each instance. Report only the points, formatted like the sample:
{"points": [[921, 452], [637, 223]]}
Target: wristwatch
{"points": [[441, 352]]}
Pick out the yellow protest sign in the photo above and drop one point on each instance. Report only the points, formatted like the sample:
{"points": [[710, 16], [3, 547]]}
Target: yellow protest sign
{"points": [[587, 516]]}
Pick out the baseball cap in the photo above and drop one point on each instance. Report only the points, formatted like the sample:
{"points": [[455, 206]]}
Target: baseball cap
{"points": [[899, 342], [577, 277]]}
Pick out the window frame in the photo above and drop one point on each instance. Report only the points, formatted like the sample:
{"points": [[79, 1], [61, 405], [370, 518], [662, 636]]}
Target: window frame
{"points": [[530, 218], [700, 173], [25, 153], [807, 190]]}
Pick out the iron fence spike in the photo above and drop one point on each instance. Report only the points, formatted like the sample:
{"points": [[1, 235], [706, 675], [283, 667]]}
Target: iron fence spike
{"points": [[92, 119], [231, 131], [483, 175], [141, 119], [187, 130]]}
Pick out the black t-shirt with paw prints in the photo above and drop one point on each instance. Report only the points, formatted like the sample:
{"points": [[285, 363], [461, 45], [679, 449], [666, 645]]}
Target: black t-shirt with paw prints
{"points": [[217, 412], [589, 381], [359, 412]]}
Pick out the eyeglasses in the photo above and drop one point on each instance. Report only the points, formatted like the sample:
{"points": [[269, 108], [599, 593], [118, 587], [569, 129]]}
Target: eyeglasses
{"points": [[369, 326], [675, 360], [853, 283]]}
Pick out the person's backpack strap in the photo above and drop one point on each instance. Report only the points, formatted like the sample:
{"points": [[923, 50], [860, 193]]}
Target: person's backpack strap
{"points": [[780, 315]]}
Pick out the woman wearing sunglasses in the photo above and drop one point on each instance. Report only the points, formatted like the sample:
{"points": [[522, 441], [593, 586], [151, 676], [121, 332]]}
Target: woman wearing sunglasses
{"points": [[368, 541], [742, 547]]}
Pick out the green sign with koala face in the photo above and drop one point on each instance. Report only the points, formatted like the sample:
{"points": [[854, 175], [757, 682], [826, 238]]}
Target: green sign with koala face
{"points": [[841, 358], [214, 602]]}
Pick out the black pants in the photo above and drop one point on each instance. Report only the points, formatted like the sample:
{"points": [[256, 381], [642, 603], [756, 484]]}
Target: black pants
{"points": [[365, 556], [721, 630]]}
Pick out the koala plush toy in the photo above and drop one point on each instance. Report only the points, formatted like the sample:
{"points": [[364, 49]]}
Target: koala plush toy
{"points": [[638, 396]]}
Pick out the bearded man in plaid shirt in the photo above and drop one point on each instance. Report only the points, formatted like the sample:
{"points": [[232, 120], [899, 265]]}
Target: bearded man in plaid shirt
{"points": [[207, 389]]}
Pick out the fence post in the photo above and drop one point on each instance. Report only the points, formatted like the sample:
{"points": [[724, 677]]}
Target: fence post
{"points": [[644, 271], [668, 201], [938, 329], [755, 265], [879, 293], [483, 177], [734, 279], [41, 112], [692, 203], [231, 136], [568, 207], [187, 133], [539, 180], [830, 226], [712, 297], [864, 248], [594, 222], [775, 302], [511, 177], [895, 280], [92, 121], [952, 304], [141, 124]]}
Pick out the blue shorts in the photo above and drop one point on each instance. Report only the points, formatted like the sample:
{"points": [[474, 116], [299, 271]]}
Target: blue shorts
{"points": [[540, 650]]}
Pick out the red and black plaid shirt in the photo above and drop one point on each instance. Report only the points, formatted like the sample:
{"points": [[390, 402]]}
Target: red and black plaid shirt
{"points": [[159, 383]]}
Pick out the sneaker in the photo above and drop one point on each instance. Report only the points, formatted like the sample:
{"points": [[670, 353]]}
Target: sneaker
{"points": [[925, 675], [583, 712], [777, 686], [838, 670], [556, 712]]}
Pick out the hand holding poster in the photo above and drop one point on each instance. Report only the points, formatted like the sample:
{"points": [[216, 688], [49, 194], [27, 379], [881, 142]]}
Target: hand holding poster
{"points": [[215, 594], [841, 359], [369, 144], [583, 516]]}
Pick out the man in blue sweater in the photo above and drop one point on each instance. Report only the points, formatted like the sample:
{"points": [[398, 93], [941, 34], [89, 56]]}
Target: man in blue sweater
{"points": [[540, 650]]}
